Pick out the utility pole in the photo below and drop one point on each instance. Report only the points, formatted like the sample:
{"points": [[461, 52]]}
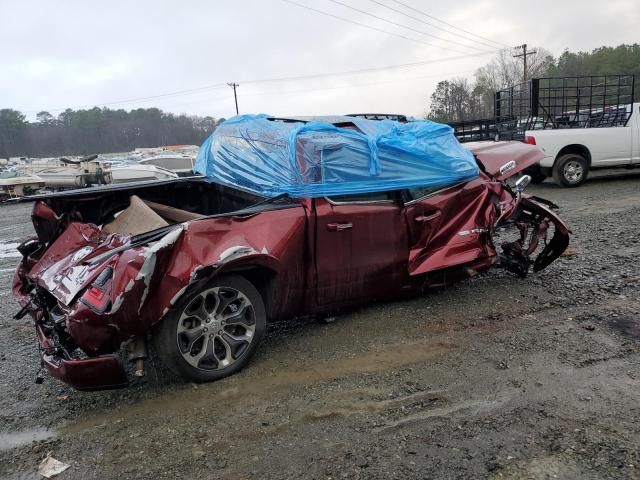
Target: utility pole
{"points": [[524, 56], [235, 95]]}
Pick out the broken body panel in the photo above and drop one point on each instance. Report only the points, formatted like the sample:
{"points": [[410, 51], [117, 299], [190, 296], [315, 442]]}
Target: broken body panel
{"points": [[89, 291]]}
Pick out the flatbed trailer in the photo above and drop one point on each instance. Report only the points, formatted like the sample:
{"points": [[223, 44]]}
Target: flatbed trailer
{"points": [[565, 102], [581, 122]]}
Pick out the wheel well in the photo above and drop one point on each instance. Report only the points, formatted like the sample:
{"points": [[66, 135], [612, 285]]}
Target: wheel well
{"points": [[262, 278], [578, 149]]}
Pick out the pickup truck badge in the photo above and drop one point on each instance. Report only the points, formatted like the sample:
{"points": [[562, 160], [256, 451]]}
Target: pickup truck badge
{"points": [[510, 165]]}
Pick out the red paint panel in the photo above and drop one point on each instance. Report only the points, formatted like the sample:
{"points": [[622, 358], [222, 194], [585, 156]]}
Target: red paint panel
{"points": [[361, 251], [274, 240], [317, 256], [88, 374], [502, 160], [61, 270], [451, 228]]}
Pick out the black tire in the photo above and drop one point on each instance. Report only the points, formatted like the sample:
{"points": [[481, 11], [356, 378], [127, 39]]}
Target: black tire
{"points": [[570, 170], [536, 174], [195, 351], [538, 177]]}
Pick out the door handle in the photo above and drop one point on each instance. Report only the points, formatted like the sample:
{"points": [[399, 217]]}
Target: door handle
{"points": [[339, 227], [426, 218]]}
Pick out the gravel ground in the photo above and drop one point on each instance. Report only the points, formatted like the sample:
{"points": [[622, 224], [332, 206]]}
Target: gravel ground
{"points": [[495, 377]]}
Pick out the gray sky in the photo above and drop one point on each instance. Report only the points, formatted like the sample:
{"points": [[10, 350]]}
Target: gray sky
{"points": [[57, 54]]}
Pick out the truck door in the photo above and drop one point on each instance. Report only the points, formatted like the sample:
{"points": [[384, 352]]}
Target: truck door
{"points": [[450, 226], [361, 248]]}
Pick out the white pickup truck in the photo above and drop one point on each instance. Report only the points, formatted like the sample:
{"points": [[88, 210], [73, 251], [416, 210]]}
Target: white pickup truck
{"points": [[572, 152]]}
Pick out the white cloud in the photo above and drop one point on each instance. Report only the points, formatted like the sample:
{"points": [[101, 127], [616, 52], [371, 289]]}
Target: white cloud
{"points": [[58, 54]]}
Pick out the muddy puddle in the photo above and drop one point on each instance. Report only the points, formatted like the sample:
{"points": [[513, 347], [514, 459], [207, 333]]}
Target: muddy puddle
{"points": [[273, 381], [9, 250], [24, 437]]}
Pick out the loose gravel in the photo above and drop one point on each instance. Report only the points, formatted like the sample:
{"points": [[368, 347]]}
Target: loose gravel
{"points": [[495, 377]]}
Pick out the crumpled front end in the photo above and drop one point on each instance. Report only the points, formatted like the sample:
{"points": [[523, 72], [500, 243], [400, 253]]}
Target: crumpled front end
{"points": [[534, 218]]}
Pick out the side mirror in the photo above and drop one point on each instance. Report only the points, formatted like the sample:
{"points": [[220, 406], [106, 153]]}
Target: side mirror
{"points": [[522, 183]]}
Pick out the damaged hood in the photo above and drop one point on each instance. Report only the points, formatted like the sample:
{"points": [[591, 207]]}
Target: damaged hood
{"points": [[502, 160]]}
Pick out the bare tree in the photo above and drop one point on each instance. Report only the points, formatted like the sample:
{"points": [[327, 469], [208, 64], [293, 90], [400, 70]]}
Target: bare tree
{"points": [[455, 100], [505, 70]]}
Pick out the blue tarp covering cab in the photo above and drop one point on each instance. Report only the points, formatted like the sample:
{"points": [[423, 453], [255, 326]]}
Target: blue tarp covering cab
{"points": [[333, 156]]}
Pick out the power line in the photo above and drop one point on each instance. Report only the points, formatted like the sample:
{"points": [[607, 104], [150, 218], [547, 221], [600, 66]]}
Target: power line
{"points": [[131, 101], [448, 24], [336, 87], [366, 70], [370, 27], [339, 87], [300, 77], [358, 85], [176, 93], [431, 24], [192, 91], [391, 22]]}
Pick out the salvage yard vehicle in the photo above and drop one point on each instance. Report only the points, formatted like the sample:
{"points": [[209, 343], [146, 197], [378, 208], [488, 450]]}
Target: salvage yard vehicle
{"points": [[292, 217], [572, 152], [581, 123]]}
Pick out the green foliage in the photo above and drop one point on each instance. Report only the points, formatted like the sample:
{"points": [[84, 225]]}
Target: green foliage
{"points": [[454, 101], [620, 60], [12, 132], [96, 130]]}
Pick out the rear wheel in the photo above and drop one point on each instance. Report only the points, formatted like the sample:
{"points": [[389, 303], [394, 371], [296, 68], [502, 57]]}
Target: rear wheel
{"points": [[214, 331], [570, 170]]}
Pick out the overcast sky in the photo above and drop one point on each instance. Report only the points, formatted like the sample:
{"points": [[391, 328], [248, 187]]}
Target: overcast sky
{"points": [[58, 54]]}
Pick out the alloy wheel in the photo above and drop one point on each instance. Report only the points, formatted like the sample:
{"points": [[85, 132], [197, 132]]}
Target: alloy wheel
{"points": [[216, 328], [573, 171]]}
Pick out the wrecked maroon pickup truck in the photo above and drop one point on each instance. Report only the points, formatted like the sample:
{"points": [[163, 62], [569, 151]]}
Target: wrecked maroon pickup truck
{"points": [[199, 267]]}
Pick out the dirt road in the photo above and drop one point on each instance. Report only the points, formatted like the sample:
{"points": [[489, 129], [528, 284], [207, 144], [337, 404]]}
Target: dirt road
{"points": [[496, 377]]}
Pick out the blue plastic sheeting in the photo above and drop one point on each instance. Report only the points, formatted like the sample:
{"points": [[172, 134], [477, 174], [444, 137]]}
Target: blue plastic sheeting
{"points": [[317, 158]]}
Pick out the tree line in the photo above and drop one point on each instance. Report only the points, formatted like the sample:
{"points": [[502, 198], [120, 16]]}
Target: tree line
{"points": [[460, 99], [97, 130]]}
